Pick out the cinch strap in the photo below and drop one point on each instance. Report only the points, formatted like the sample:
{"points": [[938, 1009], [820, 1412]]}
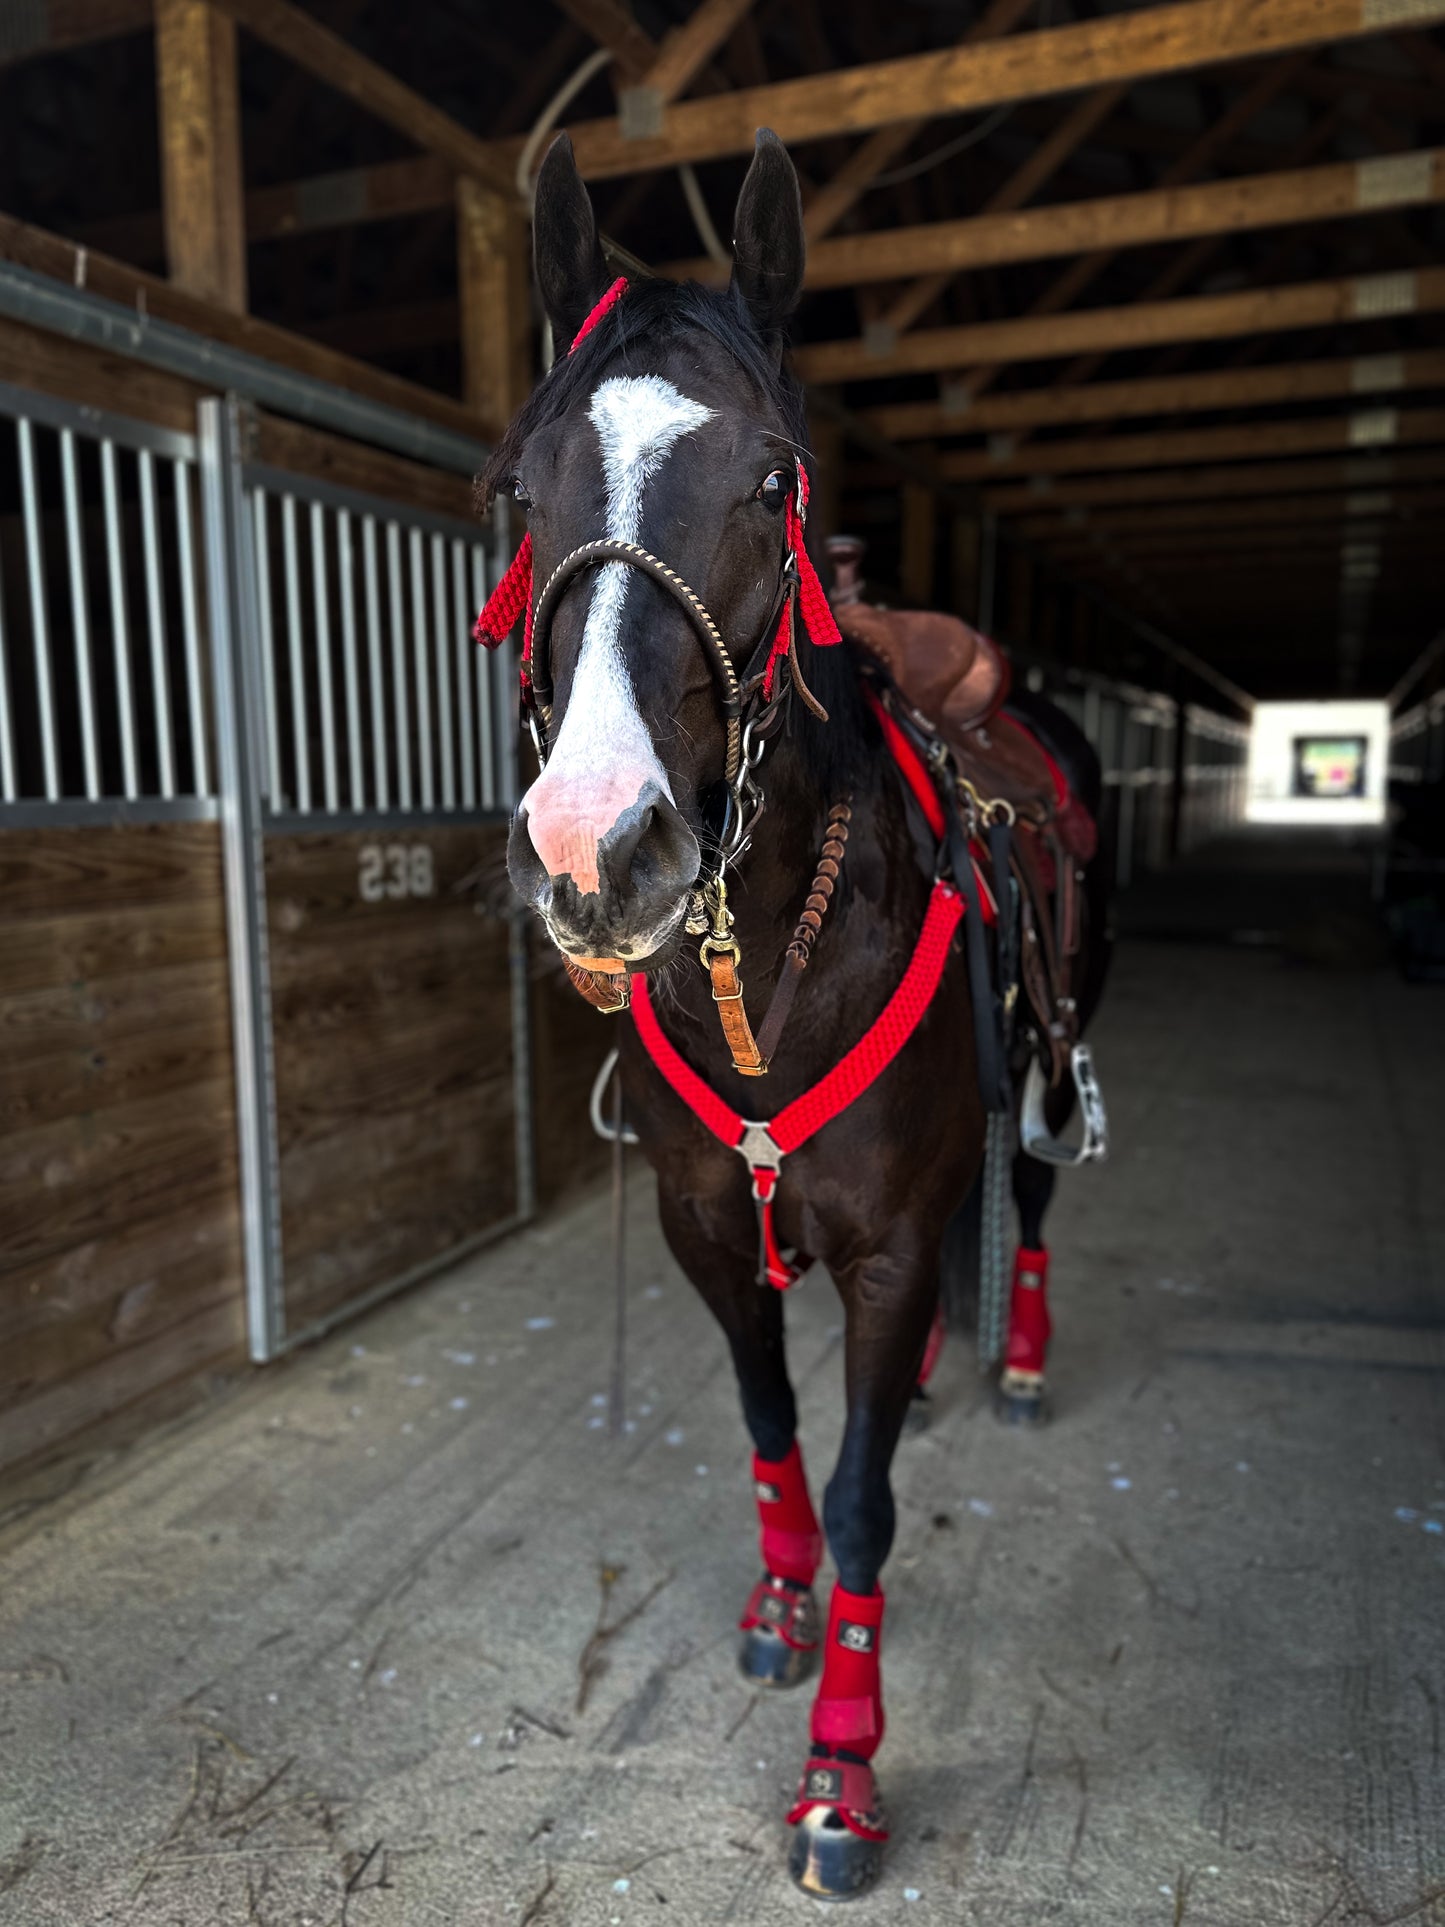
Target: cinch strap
{"points": [[763, 1146]]}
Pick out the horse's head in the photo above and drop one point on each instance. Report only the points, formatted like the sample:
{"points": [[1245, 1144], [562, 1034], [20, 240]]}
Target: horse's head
{"points": [[671, 428]]}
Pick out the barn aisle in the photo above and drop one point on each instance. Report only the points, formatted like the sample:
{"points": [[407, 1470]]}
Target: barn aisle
{"points": [[395, 1634]]}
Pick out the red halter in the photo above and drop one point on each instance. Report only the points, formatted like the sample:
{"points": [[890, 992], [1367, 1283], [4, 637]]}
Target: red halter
{"points": [[512, 597]]}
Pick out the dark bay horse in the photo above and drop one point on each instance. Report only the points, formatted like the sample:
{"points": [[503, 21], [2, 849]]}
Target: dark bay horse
{"points": [[680, 661]]}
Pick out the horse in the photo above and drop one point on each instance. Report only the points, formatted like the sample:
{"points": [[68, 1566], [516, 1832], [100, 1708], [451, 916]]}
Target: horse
{"points": [[706, 748]]}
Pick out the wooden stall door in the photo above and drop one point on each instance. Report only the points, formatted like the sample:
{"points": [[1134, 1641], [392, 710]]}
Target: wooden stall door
{"points": [[120, 1242], [391, 994]]}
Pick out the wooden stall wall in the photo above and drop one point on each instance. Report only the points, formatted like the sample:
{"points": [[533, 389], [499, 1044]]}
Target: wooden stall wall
{"points": [[120, 1253], [392, 1012]]}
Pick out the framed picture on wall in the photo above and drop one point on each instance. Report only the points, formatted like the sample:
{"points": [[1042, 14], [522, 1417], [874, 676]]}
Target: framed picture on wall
{"points": [[1329, 766]]}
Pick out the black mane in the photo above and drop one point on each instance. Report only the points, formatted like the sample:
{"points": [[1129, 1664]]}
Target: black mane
{"points": [[650, 315]]}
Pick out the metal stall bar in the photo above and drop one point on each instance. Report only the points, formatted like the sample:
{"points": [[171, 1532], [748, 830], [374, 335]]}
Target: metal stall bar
{"points": [[441, 612], [345, 563], [398, 665], [465, 647], [379, 771], [230, 578], [191, 630], [423, 691], [39, 612], [261, 549], [323, 656], [119, 618], [156, 613], [79, 612], [300, 748]]}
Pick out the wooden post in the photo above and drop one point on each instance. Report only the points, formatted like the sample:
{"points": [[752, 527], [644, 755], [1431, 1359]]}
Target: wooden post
{"points": [[494, 278], [915, 567], [202, 186]]}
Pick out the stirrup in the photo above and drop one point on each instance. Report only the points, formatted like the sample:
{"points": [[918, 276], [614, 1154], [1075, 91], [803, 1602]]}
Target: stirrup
{"points": [[1035, 1136]]}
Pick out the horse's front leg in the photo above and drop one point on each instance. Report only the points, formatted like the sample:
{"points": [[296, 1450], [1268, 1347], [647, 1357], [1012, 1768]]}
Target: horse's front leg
{"points": [[837, 1849], [780, 1621]]}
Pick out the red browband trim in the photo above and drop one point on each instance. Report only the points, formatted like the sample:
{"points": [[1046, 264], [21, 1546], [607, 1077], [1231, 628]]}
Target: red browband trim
{"points": [[513, 594]]}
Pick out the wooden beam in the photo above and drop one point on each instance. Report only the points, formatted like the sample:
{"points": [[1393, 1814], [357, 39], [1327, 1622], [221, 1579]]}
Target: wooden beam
{"points": [[1339, 191], [943, 249], [687, 49], [1360, 431], [494, 280], [62, 24], [1356, 506], [1214, 317], [957, 414], [1188, 544], [202, 194], [1133, 46], [339, 65], [148, 295], [1202, 484], [872, 157]]}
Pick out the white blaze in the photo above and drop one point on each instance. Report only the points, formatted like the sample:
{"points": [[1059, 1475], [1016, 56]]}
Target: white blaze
{"points": [[637, 418]]}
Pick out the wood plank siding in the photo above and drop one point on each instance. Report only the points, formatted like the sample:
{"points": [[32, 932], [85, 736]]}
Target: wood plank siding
{"points": [[120, 1254]]}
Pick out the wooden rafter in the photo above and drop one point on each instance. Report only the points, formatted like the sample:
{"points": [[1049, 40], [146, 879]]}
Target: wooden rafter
{"points": [[1127, 47], [1214, 317], [1103, 401], [1356, 505], [1339, 190], [1238, 478], [1359, 431]]}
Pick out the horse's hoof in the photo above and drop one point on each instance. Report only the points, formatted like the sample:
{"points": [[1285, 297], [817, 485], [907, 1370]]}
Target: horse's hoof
{"points": [[919, 1416], [767, 1659], [780, 1633], [1019, 1399], [828, 1861]]}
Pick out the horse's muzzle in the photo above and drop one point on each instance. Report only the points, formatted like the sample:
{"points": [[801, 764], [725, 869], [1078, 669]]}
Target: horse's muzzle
{"points": [[623, 893]]}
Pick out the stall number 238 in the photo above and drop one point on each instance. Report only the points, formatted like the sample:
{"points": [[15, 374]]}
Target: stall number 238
{"points": [[395, 870]]}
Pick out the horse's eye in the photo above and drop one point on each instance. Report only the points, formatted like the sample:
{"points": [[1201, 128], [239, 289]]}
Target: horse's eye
{"points": [[774, 491], [519, 492]]}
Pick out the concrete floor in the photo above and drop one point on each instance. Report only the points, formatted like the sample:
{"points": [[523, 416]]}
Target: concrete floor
{"points": [[395, 1635]]}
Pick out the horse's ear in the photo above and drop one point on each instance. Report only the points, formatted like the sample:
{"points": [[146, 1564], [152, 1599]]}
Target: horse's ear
{"points": [[769, 251], [571, 271]]}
